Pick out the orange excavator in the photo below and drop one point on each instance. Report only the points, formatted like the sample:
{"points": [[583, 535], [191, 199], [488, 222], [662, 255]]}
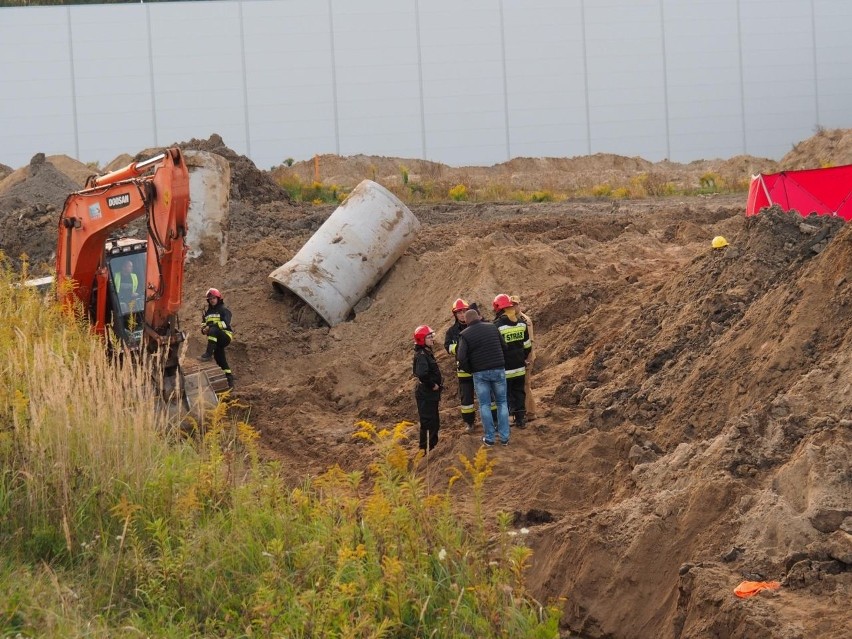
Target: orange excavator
{"points": [[131, 288]]}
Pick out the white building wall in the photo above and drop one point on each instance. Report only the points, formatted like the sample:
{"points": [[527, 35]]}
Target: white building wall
{"points": [[465, 83]]}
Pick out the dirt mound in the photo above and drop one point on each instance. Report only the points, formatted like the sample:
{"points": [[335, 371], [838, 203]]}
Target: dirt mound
{"points": [[693, 430], [120, 161], [829, 147], [248, 183], [29, 210], [695, 422], [556, 175], [679, 450], [69, 167]]}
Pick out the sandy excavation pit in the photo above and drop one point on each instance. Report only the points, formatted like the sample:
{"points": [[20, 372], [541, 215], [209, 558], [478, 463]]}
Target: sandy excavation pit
{"points": [[694, 427]]}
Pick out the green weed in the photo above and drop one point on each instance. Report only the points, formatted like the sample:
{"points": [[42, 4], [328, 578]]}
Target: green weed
{"points": [[114, 524]]}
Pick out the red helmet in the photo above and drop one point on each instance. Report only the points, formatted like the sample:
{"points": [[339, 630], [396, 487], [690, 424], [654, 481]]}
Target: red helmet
{"points": [[501, 301], [421, 333], [215, 293], [460, 305]]}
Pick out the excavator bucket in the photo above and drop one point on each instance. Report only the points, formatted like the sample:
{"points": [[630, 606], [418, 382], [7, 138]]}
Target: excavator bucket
{"points": [[202, 384]]}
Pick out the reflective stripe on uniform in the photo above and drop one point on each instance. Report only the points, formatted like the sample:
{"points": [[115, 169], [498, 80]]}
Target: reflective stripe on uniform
{"points": [[515, 372], [465, 409], [513, 333], [463, 374]]}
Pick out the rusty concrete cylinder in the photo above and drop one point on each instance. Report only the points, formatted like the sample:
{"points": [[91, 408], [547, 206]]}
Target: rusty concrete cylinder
{"points": [[348, 255], [207, 219]]}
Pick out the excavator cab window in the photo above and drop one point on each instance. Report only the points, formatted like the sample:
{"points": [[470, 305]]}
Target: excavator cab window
{"points": [[127, 293]]}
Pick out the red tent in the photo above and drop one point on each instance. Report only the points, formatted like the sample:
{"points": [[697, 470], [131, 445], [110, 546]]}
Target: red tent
{"points": [[822, 191]]}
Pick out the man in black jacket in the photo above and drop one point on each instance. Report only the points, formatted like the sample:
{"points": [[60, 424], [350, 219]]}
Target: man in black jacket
{"points": [[481, 352], [428, 391]]}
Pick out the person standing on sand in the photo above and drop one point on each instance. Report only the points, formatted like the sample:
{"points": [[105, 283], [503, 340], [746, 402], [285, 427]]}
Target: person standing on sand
{"points": [[481, 352], [216, 325], [525, 318], [465, 379], [428, 391], [516, 338]]}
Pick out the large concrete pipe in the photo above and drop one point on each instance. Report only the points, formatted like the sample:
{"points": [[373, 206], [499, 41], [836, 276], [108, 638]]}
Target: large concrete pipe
{"points": [[209, 200], [350, 252]]}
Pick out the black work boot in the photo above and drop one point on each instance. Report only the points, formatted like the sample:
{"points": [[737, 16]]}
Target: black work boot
{"points": [[230, 378], [468, 423], [520, 419]]}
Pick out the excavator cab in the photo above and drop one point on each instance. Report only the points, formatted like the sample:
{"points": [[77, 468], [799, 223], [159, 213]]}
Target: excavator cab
{"points": [[125, 260]]}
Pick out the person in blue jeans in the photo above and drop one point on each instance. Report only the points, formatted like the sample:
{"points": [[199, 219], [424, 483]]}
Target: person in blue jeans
{"points": [[482, 352]]}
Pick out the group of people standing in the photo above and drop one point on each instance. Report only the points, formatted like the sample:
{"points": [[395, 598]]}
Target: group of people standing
{"points": [[492, 362]]}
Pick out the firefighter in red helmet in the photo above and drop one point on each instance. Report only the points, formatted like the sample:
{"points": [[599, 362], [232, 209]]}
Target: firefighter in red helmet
{"points": [[428, 390], [516, 337], [216, 325], [451, 341]]}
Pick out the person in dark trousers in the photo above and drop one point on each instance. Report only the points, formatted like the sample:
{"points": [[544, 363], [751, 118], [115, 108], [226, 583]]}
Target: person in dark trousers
{"points": [[216, 325], [516, 337], [481, 352], [428, 391], [526, 319], [465, 379]]}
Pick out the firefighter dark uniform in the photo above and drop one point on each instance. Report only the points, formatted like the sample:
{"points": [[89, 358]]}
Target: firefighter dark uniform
{"points": [[516, 337], [216, 321], [451, 342], [427, 393]]}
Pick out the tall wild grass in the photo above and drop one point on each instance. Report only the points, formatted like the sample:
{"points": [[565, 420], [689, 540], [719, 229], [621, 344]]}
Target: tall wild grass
{"points": [[113, 524]]}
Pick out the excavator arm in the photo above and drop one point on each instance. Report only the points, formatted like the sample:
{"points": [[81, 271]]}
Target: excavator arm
{"points": [[157, 189]]}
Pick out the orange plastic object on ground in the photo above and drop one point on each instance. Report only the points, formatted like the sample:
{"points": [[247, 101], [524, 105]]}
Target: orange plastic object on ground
{"points": [[751, 588]]}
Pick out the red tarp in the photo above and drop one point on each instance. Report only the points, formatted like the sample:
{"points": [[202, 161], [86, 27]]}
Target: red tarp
{"points": [[822, 191]]}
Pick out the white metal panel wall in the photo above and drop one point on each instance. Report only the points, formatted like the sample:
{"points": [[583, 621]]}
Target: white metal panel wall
{"points": [[477, 82], [290, 80], [112, 79], [463, 81], [197, 61], [36, 84], [832, 28], [704, 93], [779, 77], [626, 77], [546, 78], [376, 68]]}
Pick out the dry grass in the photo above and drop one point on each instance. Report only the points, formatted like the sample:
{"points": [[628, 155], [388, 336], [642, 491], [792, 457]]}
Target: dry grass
{"points": [[111, 525]]}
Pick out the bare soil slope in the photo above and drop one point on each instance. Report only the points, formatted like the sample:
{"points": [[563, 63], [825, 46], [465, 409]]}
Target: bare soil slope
{"points": [[694, 422]]}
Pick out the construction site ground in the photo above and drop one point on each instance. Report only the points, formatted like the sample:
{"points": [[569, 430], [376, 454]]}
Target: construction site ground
{"points": [[694, 427]]}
